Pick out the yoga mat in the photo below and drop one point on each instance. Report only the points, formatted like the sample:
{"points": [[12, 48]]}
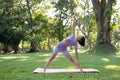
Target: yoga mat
{"points": [[87, 70]]}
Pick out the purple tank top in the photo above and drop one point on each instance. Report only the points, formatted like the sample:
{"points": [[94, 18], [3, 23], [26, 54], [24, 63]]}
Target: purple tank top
{"points": [[71, 40]]}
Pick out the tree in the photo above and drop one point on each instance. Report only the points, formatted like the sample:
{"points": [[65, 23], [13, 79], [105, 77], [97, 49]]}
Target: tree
{"points": [[103, 12], [30, 5], [10, 24], [65, 9], [86, 22]]}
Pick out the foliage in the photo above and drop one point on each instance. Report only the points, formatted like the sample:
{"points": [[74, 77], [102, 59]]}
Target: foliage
{"points": [[10, 24], [21, 22], [65, 9], [103, 12], [11, 35], [87, 24]]}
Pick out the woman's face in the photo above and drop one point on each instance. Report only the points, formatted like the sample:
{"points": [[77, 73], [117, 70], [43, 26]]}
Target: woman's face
{"points": [[79, 38]]}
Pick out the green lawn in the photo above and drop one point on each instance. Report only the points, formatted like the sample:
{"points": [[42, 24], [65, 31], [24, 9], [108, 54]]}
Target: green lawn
{"points": [[20, 66]]}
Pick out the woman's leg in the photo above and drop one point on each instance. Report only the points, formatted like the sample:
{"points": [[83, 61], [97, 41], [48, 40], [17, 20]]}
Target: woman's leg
{"points": [[49, 61], [72, 61]]}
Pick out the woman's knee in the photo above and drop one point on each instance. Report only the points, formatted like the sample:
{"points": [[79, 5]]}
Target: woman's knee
{"points": [[69, 57], [53, 56]]}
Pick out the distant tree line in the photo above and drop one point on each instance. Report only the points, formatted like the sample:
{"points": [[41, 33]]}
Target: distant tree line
{"points": [[24, 22]]}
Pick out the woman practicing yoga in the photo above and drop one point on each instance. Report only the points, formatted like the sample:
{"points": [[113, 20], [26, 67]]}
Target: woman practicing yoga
{"points": [[62, 47]]}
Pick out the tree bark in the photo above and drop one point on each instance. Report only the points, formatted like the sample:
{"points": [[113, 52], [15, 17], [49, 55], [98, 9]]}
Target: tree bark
{"points": [[33, 45], [103, 12], [5, 48], [49, 40]]}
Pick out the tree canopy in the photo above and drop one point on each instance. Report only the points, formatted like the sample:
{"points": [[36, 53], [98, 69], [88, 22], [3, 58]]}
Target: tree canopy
{"points": [[40, 24]]}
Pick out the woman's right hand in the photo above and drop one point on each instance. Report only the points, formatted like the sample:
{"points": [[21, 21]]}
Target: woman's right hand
{"points": [[81, 70]]}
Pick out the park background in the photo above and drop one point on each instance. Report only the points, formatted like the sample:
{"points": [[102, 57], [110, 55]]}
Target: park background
{"points": [[29, 29]]}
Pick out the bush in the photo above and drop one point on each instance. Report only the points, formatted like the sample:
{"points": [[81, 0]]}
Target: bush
{"points": [[11, 36]]}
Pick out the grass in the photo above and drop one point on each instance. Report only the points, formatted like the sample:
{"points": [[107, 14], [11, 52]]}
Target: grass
{"points": [[20, 66]]}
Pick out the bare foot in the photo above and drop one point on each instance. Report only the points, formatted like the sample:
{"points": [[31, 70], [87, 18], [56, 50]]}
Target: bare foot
{"points": [[44, 71], [81, 70]]}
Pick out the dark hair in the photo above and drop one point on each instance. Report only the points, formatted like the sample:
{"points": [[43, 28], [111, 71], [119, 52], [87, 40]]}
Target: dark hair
{"points": [[82, 41]]}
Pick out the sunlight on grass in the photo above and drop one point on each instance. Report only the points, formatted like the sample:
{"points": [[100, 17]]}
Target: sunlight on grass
{"points": [[105, 59], [22, 65], [22, 59], [44, 55], [115, 75], [1, 60], [71, 67], [112, 67], [18, 58], [14, 57]]}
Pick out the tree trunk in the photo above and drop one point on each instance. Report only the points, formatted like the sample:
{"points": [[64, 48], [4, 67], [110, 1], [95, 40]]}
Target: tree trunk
{"points": [[15, 47], [33, 45], [60, 28], [49, 41], [5, 48], [103, 12]]}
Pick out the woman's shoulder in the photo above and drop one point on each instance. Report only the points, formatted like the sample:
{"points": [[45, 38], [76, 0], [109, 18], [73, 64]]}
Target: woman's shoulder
{"points": [[72, 36]]}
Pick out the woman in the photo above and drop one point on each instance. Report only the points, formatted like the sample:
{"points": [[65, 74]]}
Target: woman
{"points": [[62, 47]]}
